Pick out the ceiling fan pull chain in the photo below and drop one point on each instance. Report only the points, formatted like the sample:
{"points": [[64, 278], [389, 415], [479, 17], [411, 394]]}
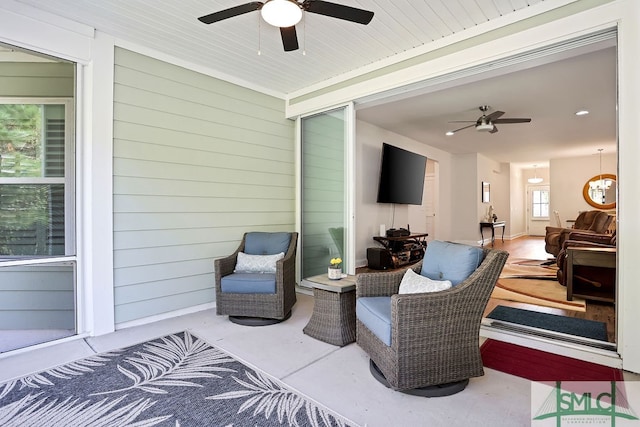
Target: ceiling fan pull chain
{"points": [[304, 35], [259, 36]]}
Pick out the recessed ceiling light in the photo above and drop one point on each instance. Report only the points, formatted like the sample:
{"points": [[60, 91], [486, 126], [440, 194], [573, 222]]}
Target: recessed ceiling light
{"points": [[582, 113], [449, 133]]}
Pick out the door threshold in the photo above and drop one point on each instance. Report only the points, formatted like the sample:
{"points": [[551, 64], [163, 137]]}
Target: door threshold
{"points": [[552, 343], [546, 333]]}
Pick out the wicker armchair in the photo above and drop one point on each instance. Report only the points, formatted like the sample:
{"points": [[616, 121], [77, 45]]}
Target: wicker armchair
{"points": [[257, 309], [434, 336]]}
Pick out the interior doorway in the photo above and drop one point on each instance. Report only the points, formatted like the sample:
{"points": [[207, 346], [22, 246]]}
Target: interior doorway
{"points": [[429, 98], [423, 218]]}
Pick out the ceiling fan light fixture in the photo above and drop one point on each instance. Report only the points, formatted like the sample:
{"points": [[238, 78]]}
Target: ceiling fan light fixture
{"points": [[281, 13], [485, 127], [449, 133]]}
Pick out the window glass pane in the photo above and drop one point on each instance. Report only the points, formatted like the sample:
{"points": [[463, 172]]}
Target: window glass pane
{"points": [[544, 210], [544, 197], [323, 196], [536, 196], [39, 304], [32, 220], [540, 203], [536, 210], [31, 140]]}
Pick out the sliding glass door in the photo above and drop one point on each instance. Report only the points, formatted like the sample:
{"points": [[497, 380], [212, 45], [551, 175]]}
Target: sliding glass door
{"points": [[37, 238], [326, 201]]}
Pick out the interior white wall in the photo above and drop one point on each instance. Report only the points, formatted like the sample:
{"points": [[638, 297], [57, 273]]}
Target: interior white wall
{"points": [[567, 179], [369, 214]]}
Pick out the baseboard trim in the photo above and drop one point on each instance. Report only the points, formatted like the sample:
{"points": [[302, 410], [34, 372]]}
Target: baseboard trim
{"points": [[167, 315]]}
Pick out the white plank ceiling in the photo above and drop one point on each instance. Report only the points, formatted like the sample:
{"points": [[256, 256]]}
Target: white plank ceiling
{"points": [[330, 47]]}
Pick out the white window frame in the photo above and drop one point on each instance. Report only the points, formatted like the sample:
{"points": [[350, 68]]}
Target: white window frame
{"points": [[68, 180], [540, 189]]}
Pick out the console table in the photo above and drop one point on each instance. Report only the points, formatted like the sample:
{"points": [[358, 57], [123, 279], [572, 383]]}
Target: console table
{"points": [[492, 226], [404, 249], [595, 257]]}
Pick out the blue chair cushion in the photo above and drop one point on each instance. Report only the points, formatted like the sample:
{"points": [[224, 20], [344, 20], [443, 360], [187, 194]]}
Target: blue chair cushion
{"points": [[375, 313], [450, 261], [261, 243], [249, 283]]}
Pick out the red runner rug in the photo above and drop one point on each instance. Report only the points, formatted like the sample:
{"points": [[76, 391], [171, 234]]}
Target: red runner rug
{"points": [[536, 365]]}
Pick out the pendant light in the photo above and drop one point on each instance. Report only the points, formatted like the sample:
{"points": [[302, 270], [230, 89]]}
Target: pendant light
{"points": [[535, 179], [600, 184]]}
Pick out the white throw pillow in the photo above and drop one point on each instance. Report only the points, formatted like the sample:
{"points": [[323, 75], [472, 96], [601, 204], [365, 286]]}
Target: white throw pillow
{"points": [[247, 263], [413, 283]]}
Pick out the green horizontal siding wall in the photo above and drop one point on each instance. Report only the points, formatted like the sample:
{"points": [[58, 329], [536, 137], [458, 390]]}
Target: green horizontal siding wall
{"points": [[197, 162]]}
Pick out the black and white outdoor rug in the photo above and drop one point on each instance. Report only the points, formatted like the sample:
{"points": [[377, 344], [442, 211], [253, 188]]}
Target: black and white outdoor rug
{"points": [[178, 381]]}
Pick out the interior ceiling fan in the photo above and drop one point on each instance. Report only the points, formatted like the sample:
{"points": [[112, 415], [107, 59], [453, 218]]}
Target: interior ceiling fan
{"points": [[488, 122], [285, 14]]}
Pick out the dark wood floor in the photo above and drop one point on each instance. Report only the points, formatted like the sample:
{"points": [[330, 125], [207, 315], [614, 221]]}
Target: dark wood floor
{"points": [[533, 248]]}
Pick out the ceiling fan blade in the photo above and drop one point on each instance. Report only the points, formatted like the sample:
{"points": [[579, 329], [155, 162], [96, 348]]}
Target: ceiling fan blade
{"points": [[511, 120], [461, 121], [464, 127], [289, 38], [231, 12], [491, 117], [494, 130], [339, 11]]}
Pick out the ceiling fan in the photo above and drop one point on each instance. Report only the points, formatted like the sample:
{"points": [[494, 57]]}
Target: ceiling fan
{"points": [[285, 14], [487, 122]]}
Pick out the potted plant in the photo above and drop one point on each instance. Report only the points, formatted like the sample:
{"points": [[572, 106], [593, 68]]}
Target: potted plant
{"points": [[335, 269]]}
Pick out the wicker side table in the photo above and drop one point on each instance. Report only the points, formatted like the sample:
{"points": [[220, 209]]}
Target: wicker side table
{"points": [[334, 310]]}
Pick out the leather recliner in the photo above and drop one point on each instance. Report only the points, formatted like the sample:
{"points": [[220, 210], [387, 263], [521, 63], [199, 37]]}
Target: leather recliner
{"points": [[595, 222], [598, 277]]}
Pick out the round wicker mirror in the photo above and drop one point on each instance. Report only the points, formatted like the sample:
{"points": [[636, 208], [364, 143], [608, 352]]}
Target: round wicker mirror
{"points": [[600, 191]]}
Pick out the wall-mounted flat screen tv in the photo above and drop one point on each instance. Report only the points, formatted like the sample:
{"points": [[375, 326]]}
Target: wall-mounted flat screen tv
{"points": [[401, 176]]}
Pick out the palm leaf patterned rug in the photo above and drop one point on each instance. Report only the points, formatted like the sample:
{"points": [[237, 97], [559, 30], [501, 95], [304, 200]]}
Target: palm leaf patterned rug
{"points": [[178, 381]]}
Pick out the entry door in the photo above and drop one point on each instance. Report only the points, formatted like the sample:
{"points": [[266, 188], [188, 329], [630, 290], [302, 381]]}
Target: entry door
{"points": [[538, 209]]}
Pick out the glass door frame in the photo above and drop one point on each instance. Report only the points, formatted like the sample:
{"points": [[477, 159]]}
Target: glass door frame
{"points": [[349, 185], [69, 180]]}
